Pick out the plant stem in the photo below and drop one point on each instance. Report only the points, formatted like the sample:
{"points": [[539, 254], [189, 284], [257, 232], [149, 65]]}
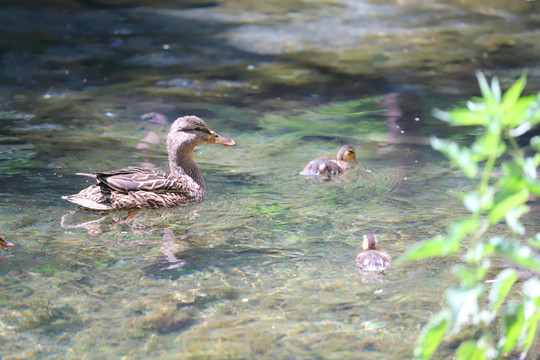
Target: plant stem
{"points": [[488, 168], [513, 142]]}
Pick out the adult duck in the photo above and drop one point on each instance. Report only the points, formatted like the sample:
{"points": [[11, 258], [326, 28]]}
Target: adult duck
{"points": [[329, 166], [372, 259], [137, 188]]}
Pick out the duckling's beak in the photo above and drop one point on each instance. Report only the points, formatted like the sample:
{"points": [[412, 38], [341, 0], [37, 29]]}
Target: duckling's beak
{"points": [[218, 139]]}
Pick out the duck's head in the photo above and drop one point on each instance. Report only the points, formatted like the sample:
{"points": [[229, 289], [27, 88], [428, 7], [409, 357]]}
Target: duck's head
{"points": [[370, 242], [347, 153], [190, 131]]}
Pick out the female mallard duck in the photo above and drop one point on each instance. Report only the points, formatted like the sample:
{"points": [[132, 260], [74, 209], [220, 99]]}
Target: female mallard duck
{"points": [[330, 166], [372, 259], [137, 188], [4, 243]]}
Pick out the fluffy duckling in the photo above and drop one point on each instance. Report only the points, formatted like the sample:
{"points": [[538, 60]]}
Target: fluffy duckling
{"points": [[136, 188], [372, 259], [329, 166]]}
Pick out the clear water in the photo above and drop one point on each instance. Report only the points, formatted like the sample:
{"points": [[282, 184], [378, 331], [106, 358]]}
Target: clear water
{"points": [[264, 267]]}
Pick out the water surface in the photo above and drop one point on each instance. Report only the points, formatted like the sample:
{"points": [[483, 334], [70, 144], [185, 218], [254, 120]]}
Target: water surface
{"points": [[264, 267]]}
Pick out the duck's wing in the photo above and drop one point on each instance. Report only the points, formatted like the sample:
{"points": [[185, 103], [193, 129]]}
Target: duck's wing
{"points": [[144, 179]]}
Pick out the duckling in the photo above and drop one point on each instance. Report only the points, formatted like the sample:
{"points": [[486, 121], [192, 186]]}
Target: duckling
{"points": [[329, 166], [4, 243], [136, 187], [372, 259]]}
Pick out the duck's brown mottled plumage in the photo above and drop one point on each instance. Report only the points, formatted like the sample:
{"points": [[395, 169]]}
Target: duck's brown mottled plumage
{"points": [[372, 259], [136, 187], [329, 166]]}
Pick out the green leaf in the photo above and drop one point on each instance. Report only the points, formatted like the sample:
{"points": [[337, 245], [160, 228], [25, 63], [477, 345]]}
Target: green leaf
{"points": [[512, 219], [485, 89], [487, 144], [482, 269], [512, 324], [534, 188], [446, 245], [530, 175], [469, 351], [463, 306], [530, 334], [522, 116], [466, 117], [476, 203], [535, 142], [442, 115], [512, 95], [512, 182], [431, 248], [465, 275], [478, 251], [513, 169], [531, 306], [470, 275], [458, 229], [500, 288], [529, 169], [431, 336], [520, 171], [507, 201], [535, 241], [461, 157], [496, 89], [521, 254], [531, 290]]}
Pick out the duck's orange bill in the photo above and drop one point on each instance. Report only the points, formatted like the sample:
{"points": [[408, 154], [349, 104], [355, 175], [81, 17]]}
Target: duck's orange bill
{"points": [[222, 140], [5, 244]]}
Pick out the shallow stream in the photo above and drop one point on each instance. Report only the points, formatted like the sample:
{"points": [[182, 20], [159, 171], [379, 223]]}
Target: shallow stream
{"points": [[264, 267]]}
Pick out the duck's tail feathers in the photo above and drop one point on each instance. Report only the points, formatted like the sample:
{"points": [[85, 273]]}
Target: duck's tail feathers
{"points": [[86, 203], [93, 176]]}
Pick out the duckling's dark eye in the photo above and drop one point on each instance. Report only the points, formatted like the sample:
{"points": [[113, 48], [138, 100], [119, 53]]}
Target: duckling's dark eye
{"points": [[198, 128]]}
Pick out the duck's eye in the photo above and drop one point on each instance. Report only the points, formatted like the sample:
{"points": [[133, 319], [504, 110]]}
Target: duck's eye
{"points": [[202, 129]]}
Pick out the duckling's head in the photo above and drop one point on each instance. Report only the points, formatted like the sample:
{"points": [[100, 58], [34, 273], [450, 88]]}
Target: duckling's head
{"points": [[190, 131], [347, 153], [370, 242]]}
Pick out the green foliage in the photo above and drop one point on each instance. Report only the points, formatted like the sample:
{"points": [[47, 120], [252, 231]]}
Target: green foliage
{"points": [[501, 118], [443, 246], [502, 285], [431, 336], [471, 350]]}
